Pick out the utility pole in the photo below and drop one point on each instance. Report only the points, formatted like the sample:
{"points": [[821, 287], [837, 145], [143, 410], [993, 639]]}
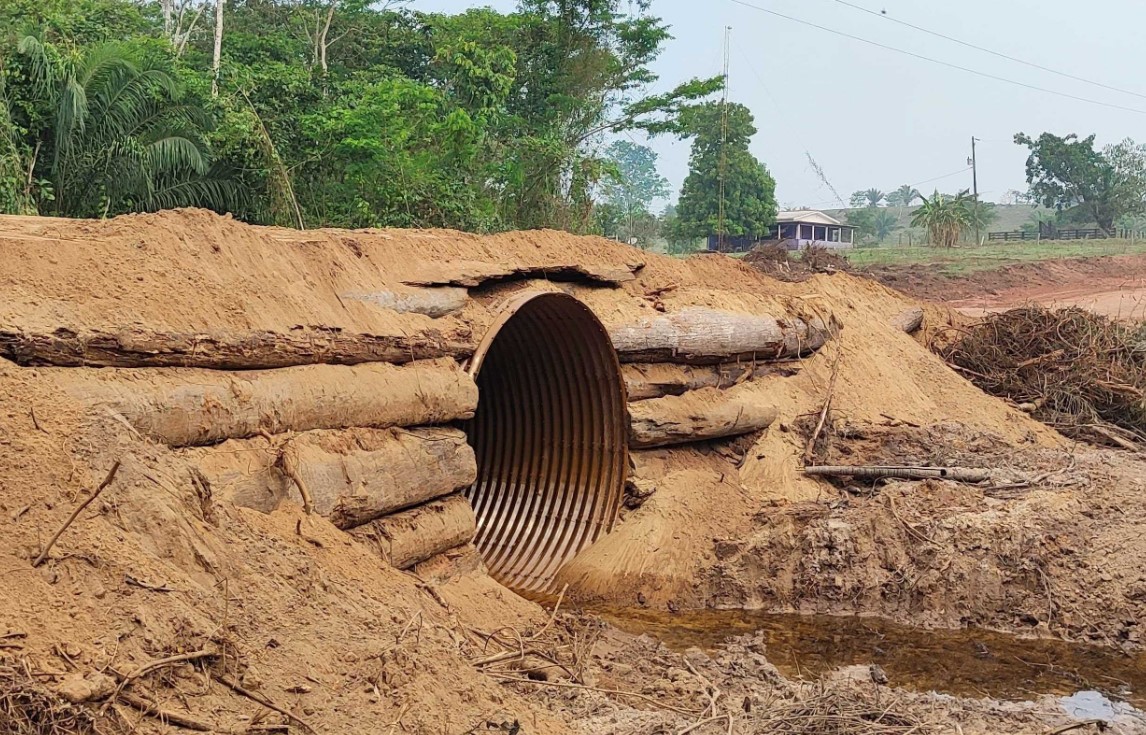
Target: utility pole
{"points": [[723, 171], [975, 187]]}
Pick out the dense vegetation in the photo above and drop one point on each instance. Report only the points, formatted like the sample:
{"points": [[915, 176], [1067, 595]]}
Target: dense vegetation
{"points": [[345, 113]]}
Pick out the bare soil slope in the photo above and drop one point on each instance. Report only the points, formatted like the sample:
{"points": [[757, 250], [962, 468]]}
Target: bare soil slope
{"points": [[306, 616]]}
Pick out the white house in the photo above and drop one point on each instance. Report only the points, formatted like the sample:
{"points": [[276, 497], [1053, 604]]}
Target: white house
{"points": [[803, 227]]}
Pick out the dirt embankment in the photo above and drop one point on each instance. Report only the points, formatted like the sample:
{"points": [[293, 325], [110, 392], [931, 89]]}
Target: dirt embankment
{"points": [[169, 589], [1114, 286]]}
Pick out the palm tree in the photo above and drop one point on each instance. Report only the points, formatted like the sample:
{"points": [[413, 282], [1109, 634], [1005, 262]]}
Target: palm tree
{"points": [[874, 197], [884, 223], [904, 196], [945, 218], [120, 137]]}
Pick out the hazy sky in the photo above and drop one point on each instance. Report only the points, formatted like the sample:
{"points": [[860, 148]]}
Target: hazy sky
{"points": [[873, 117]]}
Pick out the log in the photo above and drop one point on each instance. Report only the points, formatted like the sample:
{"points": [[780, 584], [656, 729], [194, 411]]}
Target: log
{"points": [[412, 536], [696, 416], [432, 302], [701, 336], [353, 476], [908, 320], [871, 472], [255, 350], [187, 407], [472, 274], [656, 380]]}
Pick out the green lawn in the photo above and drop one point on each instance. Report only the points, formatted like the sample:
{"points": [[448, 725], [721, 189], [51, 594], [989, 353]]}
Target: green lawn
{"points": [[967, 259]]}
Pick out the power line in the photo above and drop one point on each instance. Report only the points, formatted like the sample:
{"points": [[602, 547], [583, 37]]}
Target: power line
{"points": [[937, 61], [985, 50], [944, 176]]}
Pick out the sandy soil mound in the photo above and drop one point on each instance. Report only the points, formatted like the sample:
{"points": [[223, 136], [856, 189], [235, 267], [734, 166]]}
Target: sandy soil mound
{"points": [[187, 603]]}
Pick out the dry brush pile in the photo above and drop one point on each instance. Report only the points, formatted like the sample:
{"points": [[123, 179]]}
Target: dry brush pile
{"points": [[1077, 371]]}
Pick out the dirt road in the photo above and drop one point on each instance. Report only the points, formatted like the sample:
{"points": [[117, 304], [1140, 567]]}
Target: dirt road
{"points": [[1125, 302], [1114, 286]]}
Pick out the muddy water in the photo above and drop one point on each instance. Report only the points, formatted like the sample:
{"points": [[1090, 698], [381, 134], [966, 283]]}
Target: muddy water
{"points": [[968, 663]]}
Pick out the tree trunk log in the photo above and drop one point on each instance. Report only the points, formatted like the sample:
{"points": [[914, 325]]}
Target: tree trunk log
{"points": [[908, 320], [192, 407], [433, 302], [701, 336], [226, 351], [412, 536], [696, 416], [353, 477], [656, 380]]}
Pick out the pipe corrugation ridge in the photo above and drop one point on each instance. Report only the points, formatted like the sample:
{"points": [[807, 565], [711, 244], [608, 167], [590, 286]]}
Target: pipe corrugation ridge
{"points": [[549, 437]]}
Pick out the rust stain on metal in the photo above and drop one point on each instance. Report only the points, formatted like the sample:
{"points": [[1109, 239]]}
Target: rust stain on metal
{"points": [[550, 438]]}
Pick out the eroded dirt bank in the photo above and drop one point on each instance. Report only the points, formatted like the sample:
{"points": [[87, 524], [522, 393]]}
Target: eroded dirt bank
{"points": [[168, 595]]}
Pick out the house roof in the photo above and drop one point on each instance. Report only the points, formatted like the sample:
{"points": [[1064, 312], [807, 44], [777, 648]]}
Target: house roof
{"points": [[808, 216]]}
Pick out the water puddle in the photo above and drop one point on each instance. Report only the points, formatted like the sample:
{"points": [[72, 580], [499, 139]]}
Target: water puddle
{"points": [[966, 663]]}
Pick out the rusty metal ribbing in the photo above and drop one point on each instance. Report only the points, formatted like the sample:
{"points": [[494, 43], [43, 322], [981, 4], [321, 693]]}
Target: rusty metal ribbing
{"points": [[550, 438]]}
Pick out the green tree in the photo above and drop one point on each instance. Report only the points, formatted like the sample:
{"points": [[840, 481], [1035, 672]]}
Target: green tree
{"points": [[872, 224], [945, 218], [884, 223], [874, 197], [904, 196], [631, 187], [1067, 174], [749, 190], [110, 132]]}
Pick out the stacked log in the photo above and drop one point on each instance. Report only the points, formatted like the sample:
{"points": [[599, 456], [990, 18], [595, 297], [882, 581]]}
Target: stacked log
{"points": [[699, 415], [657, 380], [194, 407], [407, 538], [702, 336], [351, 477]]}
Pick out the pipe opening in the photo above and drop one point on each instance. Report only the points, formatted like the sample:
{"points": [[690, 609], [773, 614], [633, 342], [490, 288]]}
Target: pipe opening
{"points": [[549, 437]]}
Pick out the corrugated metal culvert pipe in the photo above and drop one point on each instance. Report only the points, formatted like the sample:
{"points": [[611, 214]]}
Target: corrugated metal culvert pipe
{"points": [[549, 436]]}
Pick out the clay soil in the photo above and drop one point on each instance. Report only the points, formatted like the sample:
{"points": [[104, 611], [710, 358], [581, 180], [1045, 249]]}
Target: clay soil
{"points": [[1113, 285], [214, 617]]}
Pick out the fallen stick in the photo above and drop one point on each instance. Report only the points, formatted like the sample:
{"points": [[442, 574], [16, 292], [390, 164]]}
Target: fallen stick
{"points": [[79, 509], [151, 709], [810, 449], [125, 679], [254, 697], [873, 472]]}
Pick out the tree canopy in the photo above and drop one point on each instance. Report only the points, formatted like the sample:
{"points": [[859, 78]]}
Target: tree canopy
{"points": [[720, 152], [1067, 174], [329, 112]]}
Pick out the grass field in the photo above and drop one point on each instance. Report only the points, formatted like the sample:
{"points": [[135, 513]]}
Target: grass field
{"points": [[968, 259]]}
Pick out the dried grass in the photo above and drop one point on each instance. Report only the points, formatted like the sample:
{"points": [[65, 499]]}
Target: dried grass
{"points": [[29, 708], [837, 710], [1078, 371]]}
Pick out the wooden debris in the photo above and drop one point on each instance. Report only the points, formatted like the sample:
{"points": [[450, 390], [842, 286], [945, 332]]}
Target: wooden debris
{"points": [[696, 416], [406, 538], [192, 407], [908, 320], [656, 380], [432, 302], [75, 514], [256, 350], [700, 336], [872, 472]]}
